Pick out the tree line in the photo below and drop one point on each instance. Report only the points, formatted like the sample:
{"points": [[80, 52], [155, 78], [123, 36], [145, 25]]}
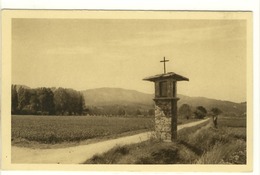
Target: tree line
{"points": [[46, 101], [199, 112], [62, 101]]}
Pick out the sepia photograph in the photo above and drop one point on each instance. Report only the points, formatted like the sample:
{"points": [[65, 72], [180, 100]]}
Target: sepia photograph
{"points": [[92, 88]]}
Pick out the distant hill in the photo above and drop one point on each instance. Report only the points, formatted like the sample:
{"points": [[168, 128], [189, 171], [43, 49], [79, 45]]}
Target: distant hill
{"points": [[115, 96], [114, 99], [225, 106], [123, 97]]}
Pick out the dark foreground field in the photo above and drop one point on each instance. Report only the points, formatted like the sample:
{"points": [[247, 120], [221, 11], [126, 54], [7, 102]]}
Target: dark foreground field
{"points": [[201, 144]]}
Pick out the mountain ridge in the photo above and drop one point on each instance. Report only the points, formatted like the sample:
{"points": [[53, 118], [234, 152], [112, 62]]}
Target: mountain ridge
{"points": [[119, 96]]}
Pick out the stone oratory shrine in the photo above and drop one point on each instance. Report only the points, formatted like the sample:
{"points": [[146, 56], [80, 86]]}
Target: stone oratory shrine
{"points": [[166, 103]]}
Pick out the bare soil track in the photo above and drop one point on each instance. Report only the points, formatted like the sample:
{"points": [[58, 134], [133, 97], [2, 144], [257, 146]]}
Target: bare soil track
{"points": [[78, 154]]}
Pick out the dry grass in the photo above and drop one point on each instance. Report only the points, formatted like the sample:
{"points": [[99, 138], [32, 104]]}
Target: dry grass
{"points": [[147, 152], [218, 146], [225, 154], [200, 144]]}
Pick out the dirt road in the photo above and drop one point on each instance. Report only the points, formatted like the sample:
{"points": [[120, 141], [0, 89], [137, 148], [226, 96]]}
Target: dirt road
{"points": [[78, 154]]}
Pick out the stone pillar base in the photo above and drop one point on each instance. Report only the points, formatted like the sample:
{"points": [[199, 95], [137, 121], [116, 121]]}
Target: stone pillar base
{"points": [[166, 119]]}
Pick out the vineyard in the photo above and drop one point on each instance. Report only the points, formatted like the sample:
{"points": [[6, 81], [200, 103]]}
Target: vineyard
{"points": [[58, 129]]}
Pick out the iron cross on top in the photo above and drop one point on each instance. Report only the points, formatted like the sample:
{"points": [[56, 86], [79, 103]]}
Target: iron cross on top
{"points": [[164, 64]]}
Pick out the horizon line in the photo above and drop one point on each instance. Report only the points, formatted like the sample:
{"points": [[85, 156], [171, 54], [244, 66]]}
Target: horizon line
{"points": [[128, 90]]}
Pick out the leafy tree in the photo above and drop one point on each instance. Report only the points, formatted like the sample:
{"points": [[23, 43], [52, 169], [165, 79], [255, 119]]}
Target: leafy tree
{"points": [[185, 111], [82, 106], [34, 102], [60, 101], [75, 102], [47, 101], [69, 101], [14, 99], [23, 98], [45, 97], [215, 113], [200, 112]]}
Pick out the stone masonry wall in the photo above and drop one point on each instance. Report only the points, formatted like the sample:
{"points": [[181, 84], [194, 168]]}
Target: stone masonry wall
{"points": [[163, 119]]}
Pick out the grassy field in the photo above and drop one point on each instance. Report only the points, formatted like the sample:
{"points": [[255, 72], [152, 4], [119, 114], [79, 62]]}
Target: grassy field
{"points": [[58, 129], [39, 131], [201, 144]]}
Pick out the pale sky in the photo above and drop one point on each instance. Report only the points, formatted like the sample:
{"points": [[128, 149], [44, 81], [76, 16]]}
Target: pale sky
{"points": [[93, 53]]}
